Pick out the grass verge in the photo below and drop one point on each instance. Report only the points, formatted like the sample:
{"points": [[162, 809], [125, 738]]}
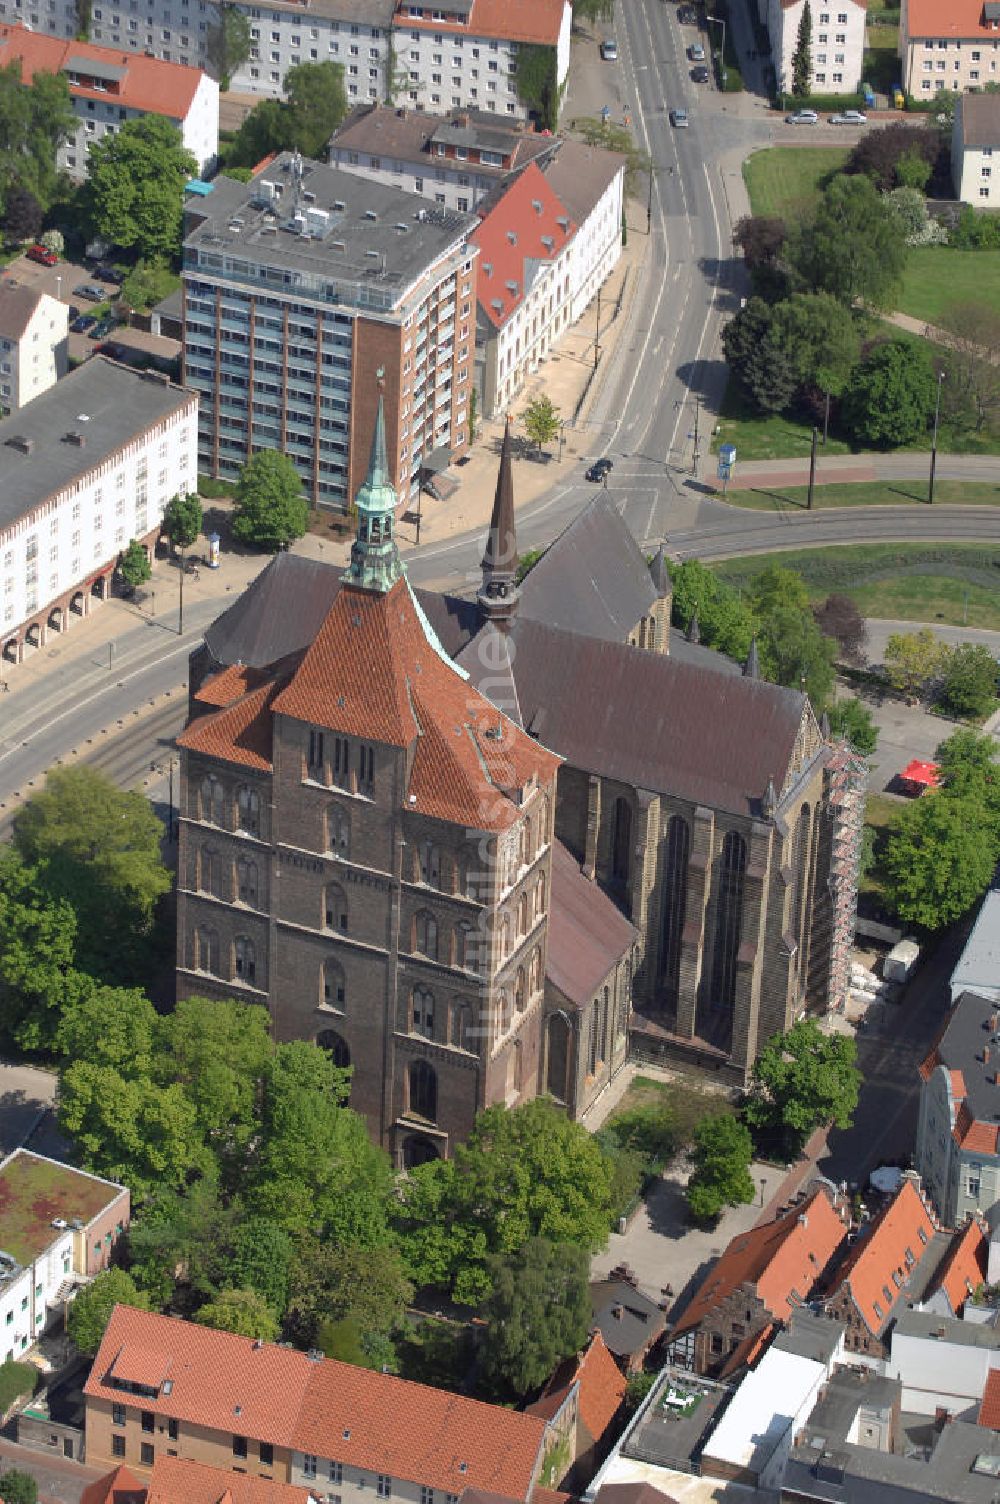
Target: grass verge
{"points": [[937, 275], [866, 494], [787, 180]]}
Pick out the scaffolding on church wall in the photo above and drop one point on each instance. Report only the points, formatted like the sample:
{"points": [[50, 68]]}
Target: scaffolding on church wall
{"points": [[847, 775]]}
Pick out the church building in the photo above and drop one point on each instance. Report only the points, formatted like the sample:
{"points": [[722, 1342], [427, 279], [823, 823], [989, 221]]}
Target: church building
{"points": [[484, 849]]}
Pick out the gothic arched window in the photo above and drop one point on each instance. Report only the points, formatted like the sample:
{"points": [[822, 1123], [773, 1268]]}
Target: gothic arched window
{"points": [[675, 881], [210, 800], [248, 810], [422, 1090], [461, 1026], [335, 907], [206, 950], [336, 1047], [728, 919], [245, 960], [422, 1012], [334, 989], [520, 990], [430, 864], [595, 1026], [801, 869], [621, 842], [465, 946], [338, 830], [210, 872], [246, 881], [425, 934]]}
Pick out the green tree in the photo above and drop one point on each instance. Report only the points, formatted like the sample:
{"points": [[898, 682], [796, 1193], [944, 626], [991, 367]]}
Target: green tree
{"points": [[525, 1172], [838, 617], [970, 396], [537, 1314], [229, 42], [914, 661], [967, 761], [112, 1026], [541, 421], [801, 1080], [136, 181], [969, 684], [218, 1050], [18, 1487], [22, 215], [35, 120], [938, 859], [147, 284], [724, 620], [852, 247], [181, 1241], [342, 1340], [90, 1312], [891, 396], [759, 358], [367, 1286], [802, 56], [241, 1311], [821, 337], [98, 848], [913, 171], [852, 720], [270, 509], [131, 1130], [266, 129], [793, 650], [317, 103], [38, 979], [183, 519], [723, 1150], [134, 567], [261, 1260], [537, 83]]}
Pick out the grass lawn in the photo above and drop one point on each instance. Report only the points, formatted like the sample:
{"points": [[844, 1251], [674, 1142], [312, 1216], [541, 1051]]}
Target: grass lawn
{"points": [[787, 180], [686, 1102], [947, 583], [867, 494], [936, 275], [767, 436]]}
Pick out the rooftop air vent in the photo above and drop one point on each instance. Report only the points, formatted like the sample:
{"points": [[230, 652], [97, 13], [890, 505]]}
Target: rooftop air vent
{"points": [[487, 268], [512, 236], [562, 222], [512, 287], [548, 242], [536, 204], [370, 214]]}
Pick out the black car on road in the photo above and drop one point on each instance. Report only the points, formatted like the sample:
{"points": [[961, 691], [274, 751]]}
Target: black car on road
{"points": [[599, 469]]}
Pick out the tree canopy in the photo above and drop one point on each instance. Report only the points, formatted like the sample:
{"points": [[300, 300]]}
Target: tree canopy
{"points": [[802, 56], [851, 719], [723, 1150], [801, 1080], [541, 420], [851, 247], [315, 103], [183, 519], [134, 566], [537, 1314], [35, 120], [135, 185], [969, 682], [270, 510], [242, 1311], [939, 856], [890, 398], [229, 42], [914, 661], [90, 1311]]}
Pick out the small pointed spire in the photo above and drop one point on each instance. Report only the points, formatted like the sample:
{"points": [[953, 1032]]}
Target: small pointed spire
{"points": [[769, 803], [824, 726], [498, 592], [751, 669], [660, 572], [693, 633], [375, 562]]}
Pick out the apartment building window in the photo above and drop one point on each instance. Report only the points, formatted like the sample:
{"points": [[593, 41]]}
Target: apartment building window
{"points": [[315, 757], [173, 1428], [309, 1465], [118, 1446], [973, 1183], [384, 1486], [117, 1411], [147, 1454], [148, 1420], [266, 1454], [426, 1495], [336, 1472], [239, 1446]]}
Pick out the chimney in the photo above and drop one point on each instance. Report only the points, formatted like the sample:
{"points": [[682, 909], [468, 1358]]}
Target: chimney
{"points": [[75, 438], [986, 1054], [994, 1021], [21, 444]]}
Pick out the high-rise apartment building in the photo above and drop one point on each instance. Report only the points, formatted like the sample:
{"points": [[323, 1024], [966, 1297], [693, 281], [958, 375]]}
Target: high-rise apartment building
{"points": [[300, 287]]}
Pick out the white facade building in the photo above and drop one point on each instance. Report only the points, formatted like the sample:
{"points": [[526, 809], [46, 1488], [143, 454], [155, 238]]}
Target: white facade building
{"points": [[109, 87], [283, 33], [942, 1363], [838, 42], [463, 53], [948, 44], [87, 467], [975, 159], [524, 286], [33, 345], [42, 1257], [590, 184]]}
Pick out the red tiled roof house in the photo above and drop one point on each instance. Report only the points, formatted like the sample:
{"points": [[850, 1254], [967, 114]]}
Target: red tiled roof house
{"points": [[582, 1401]]}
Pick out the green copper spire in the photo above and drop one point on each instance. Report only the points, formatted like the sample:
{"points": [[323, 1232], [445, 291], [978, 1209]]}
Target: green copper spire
{"points": [[375, 562]]}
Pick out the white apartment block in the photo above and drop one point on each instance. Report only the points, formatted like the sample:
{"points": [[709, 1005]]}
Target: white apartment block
{"points": [[109, 88], [45, 1256], [524, 286], [975, 150], [463, 53], [284, 33], [33, 345], [85, 468], [590, 184], [838, 42], [948, 44]]}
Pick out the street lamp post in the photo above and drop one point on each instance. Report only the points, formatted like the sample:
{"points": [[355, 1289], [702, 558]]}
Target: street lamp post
{"points": [[649, 202], [781, 91], [721, 21], [562, 426], [937, 414]]}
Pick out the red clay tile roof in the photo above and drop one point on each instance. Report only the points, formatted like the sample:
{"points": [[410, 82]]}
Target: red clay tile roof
{"points": [[893, 1247], [230, 684], [957, 1085], [373, 672], [240, 733], [961, 19], [175, 1480], [930, 1064], [781, 1260], [965, 1266], [549, 1496], [979, 1138], [530, 212], [368, 1420], [989, 1410], [147, 84], [602, 1389], [505, 20], [119, 1487]]}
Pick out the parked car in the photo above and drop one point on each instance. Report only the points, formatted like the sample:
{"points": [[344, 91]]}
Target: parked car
{"points": [[849, 117], [803, 117], [102, 328], [700, 74], [112, 350], [609, 51], [109, 274], [696, 52], [687, 15], [43, 255], [91, 292], [83, 322], [679, 119], [599, 469]]}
